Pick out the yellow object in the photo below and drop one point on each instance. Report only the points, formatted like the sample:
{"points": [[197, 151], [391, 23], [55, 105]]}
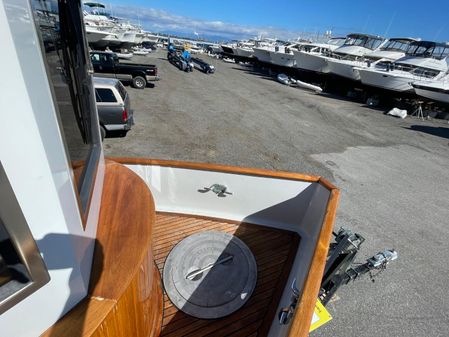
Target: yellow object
{"points": [[320, 316]]}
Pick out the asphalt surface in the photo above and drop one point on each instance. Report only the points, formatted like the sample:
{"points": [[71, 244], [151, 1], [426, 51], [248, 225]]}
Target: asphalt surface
{"points": [[393, 175]]}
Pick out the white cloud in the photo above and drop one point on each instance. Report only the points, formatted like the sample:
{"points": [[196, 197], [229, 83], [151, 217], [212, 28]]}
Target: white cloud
{"points": [[158, 20]]}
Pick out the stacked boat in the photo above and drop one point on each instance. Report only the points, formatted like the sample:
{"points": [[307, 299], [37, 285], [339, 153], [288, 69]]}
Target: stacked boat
{"points": [[105, 31]]}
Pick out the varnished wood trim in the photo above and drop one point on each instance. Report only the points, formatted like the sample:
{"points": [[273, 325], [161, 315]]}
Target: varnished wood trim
{"points": [[124, 231], [327, 184], [83, 319], [216, 167], [304, 312], [125, 296]]}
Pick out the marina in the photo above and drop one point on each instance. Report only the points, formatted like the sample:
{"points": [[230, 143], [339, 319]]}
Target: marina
{"points": [[168, 186]]}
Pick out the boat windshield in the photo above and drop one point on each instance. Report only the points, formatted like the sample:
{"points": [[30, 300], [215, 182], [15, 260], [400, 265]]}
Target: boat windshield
{"points": [[336, 41], [429, 49], [396, 45], [363, 41], [440, 52], [95, 8]]}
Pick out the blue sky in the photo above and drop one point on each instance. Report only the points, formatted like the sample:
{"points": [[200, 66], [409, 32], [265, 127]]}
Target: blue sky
{"points": [[244, 18]]}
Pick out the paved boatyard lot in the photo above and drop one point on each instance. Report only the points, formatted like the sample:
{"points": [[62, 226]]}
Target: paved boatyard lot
{"points": [[393, 175]]}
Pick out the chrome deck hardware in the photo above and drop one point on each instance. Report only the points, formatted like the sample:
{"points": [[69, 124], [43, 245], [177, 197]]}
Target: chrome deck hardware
{"points": [[220, 190], [286, 314]]}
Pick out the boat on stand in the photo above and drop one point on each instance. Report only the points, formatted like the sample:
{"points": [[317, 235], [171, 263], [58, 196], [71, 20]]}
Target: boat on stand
{"points": [[244, 49], [311, 57], [356, 46], [433, 90], [101, 249], [425, 61], [283, 56]]}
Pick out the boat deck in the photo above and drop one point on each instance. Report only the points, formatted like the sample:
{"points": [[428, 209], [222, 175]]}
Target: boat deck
{"points": [[274, 251]]}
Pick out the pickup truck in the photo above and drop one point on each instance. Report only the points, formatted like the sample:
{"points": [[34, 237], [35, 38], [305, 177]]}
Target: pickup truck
{"points": [[114, 108], [106, 64]]}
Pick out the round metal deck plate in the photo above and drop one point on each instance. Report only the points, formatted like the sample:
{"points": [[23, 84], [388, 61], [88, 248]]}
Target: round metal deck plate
{"points": [[210, 274]]}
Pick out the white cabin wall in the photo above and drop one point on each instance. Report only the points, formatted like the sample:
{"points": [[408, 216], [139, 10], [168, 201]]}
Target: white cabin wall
{"points": [[273, 202], [34, 158]]}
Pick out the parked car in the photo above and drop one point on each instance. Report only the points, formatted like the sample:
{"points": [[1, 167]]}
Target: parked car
{"points": [[106, 64], [114, 107]]}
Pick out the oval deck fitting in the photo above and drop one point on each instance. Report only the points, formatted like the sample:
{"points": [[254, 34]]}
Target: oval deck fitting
{"points": [[210, 274]]}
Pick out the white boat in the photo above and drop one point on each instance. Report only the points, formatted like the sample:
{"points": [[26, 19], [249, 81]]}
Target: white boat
{"points": [[94, 36], [434, 90], [392, 50], [149, 37], [85, 239], [262, 54], [312, 57], [284, 55], [244, 49], [263, 48], [228, 49], [215, 48], [195, 49], [119, 34], [125, 56], [141, 52], [424, 61], [351, 53]]}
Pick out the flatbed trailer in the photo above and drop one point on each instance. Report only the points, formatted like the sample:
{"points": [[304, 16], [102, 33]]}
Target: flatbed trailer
{"points": [[203, 65]]}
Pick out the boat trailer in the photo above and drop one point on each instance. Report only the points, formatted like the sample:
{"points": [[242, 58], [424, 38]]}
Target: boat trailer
{"points": [[340, 268], [203, 66], [177, 60]]}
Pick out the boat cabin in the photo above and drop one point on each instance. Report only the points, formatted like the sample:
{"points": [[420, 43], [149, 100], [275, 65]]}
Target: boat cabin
{"points": [[425, 59], [356, 46]]}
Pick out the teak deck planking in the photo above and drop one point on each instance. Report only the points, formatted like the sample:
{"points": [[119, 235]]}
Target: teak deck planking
{"points": [[273, 249]]}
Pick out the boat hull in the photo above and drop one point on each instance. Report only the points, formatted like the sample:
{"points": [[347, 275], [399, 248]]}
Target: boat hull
{"points": [[311, 62], [243, 52], [108, 41], [216, 49], [283, 59], [432, 92], [262, 55], [95, 36], [227, 50], [386, 80], [343, 68]]}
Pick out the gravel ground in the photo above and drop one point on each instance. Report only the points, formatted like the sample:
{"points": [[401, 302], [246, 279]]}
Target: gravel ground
{"points": [[392, 173]]}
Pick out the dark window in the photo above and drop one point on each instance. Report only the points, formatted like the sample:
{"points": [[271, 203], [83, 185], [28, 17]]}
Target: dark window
{"points": [[97, 97], [95, 58], [121, 89], [105, 95], [61, 30]]}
